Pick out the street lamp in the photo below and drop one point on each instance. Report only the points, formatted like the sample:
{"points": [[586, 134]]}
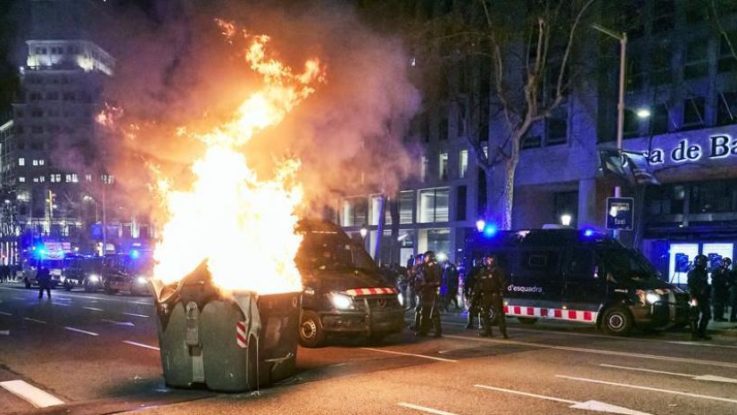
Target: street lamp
{"points": [[643, 113], [363, 231], [622, 38]]}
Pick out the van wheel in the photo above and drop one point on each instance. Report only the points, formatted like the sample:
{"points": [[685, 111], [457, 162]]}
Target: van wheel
{"points": [[311, 332], [527, 320], [617, 321]]}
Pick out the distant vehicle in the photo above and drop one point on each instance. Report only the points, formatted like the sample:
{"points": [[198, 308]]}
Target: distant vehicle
{"points": [[129, 272], [49, 254], [580, 276], [344, 291], [82, 271]]}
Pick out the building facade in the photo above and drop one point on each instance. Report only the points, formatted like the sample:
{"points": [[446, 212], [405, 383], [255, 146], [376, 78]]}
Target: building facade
{"points": [[54, 177], [680, 68]]}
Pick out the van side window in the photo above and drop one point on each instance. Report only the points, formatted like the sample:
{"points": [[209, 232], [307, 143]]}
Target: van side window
{"points": [[539, 263], [580, 264]]}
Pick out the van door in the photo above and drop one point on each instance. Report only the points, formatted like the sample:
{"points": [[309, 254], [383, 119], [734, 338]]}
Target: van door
{"points": [[584, 290], [536, 284]]}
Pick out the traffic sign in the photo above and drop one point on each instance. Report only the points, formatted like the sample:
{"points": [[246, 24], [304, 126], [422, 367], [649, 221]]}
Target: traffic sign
{"points": [[620, 213]]}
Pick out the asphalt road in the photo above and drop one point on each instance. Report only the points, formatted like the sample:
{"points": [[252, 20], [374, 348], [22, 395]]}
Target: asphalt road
{"points": [[93, 354]]}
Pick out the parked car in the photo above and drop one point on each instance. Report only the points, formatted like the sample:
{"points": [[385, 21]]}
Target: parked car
{"points": [[82, 271], [128, 273], [580, 276]]}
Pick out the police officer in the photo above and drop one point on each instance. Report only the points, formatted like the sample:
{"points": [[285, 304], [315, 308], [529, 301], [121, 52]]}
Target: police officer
{"points": [[720, 291], [490, 288], [468, 291], [427, 287], [733, 295], [43, 277], [700, 291]]}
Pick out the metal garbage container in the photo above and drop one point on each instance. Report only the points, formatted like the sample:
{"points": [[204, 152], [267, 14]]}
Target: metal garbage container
{"points": [[225, 343]]}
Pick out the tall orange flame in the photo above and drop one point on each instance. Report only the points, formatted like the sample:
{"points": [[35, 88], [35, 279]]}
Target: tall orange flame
{"points": [[243, 226]]}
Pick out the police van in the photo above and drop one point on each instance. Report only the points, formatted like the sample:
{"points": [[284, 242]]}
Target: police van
{"points": [[580, 276], [344, 291]]}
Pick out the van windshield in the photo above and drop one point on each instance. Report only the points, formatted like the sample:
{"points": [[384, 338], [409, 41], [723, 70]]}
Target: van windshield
{"points": [[331, 251], [628, 264]]}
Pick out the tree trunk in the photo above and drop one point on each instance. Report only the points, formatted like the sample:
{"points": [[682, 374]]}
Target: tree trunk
{"points": [[380, 229], [510, 170]]}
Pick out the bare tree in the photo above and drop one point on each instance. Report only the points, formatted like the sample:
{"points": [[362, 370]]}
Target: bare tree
{"points": [[520, 59]]}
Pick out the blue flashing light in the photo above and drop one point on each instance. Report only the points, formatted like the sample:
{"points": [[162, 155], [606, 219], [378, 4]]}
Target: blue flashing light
{"points": [[588, 233], [480, 225], [135, 254], [490, 230]]}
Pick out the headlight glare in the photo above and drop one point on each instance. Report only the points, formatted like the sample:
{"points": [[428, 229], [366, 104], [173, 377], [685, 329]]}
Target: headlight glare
{"points": [[341, 301], [141, 280], [400, 298], [93, 278], [652, 297]]}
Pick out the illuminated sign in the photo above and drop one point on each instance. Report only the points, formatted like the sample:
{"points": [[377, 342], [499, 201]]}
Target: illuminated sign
{"points": [[720, 146], [620, 213]]}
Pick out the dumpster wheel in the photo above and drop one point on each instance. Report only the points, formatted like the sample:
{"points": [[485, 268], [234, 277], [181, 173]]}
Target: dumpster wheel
{"points": [[311, 333]]}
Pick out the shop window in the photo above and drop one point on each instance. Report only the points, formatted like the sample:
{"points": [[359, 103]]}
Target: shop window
{"points": [[354, 211], [727, 108], [714, 197], [697, 64], [693, 113], [433, 205], [406, 204]]}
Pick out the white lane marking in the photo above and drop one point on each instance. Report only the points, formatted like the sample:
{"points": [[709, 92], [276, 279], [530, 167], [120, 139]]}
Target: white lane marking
{"points": [[594, 406], [31, 394], [647, 388], [93, 309], [118, 323], [81, 331], [424, 409], [4, 332], [136, 315], [4, 313], [94, 299], [599, 351], [703, 344], [145, 346], [422, 356], [708, 378], [34, 320]]}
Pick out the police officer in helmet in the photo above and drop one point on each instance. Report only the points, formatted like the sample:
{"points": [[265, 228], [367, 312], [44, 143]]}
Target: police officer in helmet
{"points": [[469, 286], [720, 288], [700, 291], [427, 287], [489, 288]]}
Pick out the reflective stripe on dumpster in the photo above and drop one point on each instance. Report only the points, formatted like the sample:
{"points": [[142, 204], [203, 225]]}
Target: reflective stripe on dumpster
{"points": [[240, 334]]}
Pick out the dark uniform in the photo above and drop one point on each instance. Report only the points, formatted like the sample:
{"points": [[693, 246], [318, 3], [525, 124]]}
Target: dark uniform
{"points": [[700, 291], [489, 289], [720, 291], [733, 295], [427, 287], [43, 277], [468, 291]]}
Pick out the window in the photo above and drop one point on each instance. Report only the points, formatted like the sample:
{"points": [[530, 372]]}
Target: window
{"points": [[42, 179], [41, 162], [35, 162], [697, 65], [433, 205], [462, 163], [52, 96], [406, 203], [21, 179], [355, 211], [666, 200], [376, 211], [443, 129], [693, 112], [55, 178], [423, 168], [443, 166], [660, 64], [21, 161], [35, 180], [538, 263], [727, 108], [659, 121], [557, 127], [714, 197], [727, 51], [581, 264], [88, 177], [461, 197], [664, 12]]}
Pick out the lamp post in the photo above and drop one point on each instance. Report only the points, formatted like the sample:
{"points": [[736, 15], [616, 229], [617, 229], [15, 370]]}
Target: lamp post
{"points": [[622, 38]]}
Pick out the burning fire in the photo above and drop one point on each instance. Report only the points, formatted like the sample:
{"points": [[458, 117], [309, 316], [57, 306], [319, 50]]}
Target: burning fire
{"points": [[243, 226]]}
